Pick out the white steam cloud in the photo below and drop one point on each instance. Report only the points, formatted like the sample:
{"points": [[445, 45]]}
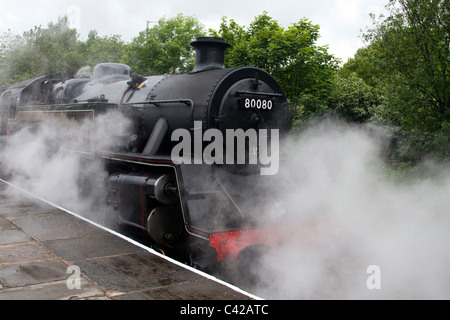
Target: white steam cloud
{"points": [[39, 159], [356, 231], [345, 213]]}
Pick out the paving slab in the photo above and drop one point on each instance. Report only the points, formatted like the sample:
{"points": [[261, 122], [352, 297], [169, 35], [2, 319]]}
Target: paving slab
{"points": [[197, 290], [5, 224], [53, 225], [81, 248], [34, 272], [52, 291], [13, 236], [15, 253]]}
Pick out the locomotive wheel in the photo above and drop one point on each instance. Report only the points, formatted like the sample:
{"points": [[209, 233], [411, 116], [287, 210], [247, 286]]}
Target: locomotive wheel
{"points": [[246, 271]]}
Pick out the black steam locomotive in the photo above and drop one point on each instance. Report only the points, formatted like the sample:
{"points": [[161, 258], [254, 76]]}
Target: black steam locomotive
{"points": [[181, 198]]}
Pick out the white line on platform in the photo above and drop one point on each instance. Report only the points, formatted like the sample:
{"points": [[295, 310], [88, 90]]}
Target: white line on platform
{"points": [[150, 250]]}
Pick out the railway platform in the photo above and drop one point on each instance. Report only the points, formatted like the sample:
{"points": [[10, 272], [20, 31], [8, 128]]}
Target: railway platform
{"points": [[47, 253]]}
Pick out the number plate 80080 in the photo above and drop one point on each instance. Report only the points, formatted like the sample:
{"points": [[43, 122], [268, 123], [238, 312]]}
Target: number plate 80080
{"points": [[260, 104]]}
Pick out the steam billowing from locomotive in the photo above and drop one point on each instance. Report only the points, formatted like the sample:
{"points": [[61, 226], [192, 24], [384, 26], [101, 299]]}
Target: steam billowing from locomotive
{"points": [[326, 217], [239, 114], [358, 232]]}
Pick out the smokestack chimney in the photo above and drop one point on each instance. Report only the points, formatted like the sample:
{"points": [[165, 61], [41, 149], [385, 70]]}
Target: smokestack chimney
{"points": [[210, 53]]}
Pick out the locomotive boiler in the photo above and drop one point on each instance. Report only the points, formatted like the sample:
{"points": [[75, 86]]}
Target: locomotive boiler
{"points": [[188, 169]]}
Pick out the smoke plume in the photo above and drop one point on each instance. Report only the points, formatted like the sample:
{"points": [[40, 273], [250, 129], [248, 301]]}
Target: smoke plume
{"points": [[353, 230], [356, 231], [40, 159]]}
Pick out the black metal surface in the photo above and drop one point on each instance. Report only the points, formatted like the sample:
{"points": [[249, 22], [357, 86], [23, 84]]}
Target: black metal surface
{"points": [[217, 98]]}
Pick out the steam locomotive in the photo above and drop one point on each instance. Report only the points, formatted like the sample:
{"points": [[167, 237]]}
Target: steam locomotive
{"points": [[210, 210]]}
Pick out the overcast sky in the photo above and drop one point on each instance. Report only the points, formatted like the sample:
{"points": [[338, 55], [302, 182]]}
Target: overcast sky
{"points": [[340, 20]]}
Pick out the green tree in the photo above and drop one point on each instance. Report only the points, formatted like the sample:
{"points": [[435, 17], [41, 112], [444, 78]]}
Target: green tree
{"points": [[366, 65], [103, 49], [40, 51], [407, 63], [412, 46], [354, 100], [164, 48], [305, 71], [290, 54]]}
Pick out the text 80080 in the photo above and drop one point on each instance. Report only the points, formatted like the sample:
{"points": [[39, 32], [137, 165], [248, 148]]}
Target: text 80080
{"points": [[260, 104]]}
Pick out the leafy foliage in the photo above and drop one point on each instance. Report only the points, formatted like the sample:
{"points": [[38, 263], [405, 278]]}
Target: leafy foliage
{"points": [[407, 62], [164, 48], [413, 46], [354, 100], [103, 49], [40, 51], [289, 54]]}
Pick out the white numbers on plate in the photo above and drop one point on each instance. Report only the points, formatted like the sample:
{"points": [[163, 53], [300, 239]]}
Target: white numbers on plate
{"points": [[258, 104]]}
